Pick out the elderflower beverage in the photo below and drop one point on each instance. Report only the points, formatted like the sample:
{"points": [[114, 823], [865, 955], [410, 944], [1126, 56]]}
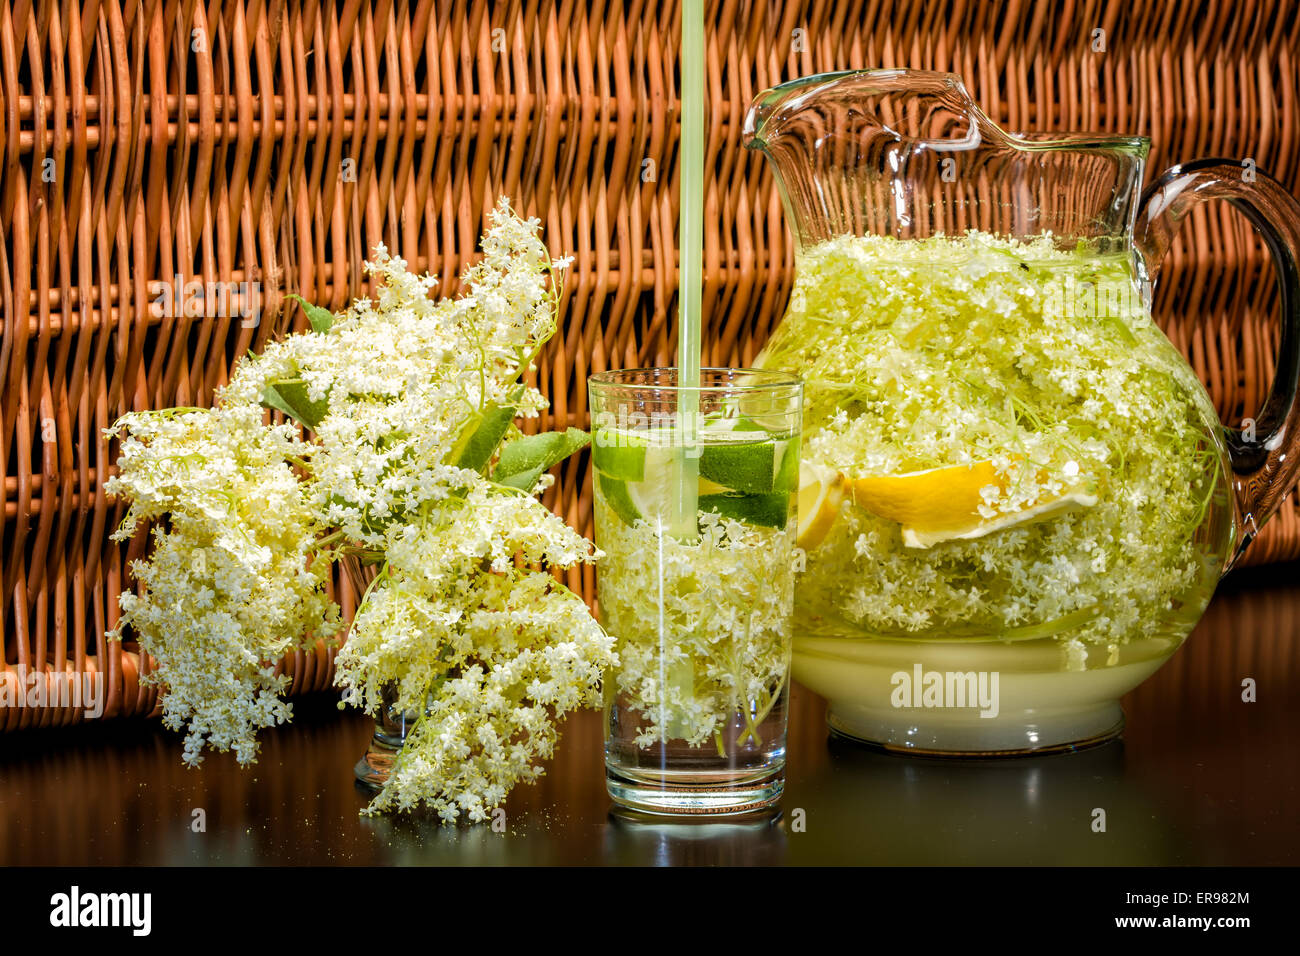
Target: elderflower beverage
{"points": [[695, 516], [994, 513], [1016, 498]]}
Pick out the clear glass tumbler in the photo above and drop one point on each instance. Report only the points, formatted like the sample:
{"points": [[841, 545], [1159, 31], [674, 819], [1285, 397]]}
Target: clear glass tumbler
{"points": [[695, 513]]}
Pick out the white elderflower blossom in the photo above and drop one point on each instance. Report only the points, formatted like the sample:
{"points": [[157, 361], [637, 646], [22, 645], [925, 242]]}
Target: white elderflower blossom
{"points": [[401, 420], [230, 586], [954, 350], [726, 600]]}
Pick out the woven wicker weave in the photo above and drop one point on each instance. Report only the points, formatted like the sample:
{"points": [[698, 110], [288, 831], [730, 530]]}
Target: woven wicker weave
{"points": [[275, 143]]}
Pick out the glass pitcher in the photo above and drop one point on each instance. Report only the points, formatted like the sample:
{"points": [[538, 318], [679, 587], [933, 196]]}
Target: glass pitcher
{"points": [[1015, 496]]}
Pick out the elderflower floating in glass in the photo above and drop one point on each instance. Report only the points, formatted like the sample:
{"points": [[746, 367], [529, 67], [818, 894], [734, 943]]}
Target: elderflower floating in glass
{"points": [[695, 515]]}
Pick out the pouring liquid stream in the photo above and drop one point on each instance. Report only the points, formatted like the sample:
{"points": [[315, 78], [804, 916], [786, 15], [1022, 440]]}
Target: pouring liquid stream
{"points": [[690, 273], [686, 463]]}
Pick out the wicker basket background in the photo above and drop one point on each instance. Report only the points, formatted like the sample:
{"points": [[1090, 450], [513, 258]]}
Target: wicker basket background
{"points": [[274, 143]]}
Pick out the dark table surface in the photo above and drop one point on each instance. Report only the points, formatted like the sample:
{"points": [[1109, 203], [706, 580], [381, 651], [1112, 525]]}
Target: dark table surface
{"points": [[1200, 777]]}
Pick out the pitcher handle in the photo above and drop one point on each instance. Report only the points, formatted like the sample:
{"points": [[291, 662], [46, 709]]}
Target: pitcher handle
{"points": [[1265, 465]]}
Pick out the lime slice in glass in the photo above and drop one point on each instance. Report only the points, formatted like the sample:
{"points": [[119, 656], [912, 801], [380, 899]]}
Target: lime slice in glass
{"points": [[619, 454], [764, 409], [787, 472], [615, 493], [747, 467], [769, 510], [648, 494]]}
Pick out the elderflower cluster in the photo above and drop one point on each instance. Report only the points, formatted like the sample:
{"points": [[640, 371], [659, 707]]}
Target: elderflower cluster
{"points": [[918, 354], [401, 381], [401, 452], [230, 586], [485, 650], [725, 598]]}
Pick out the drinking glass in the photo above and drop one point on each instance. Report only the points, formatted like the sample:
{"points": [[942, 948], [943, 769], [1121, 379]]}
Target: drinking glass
{"points": [[696, 518]]}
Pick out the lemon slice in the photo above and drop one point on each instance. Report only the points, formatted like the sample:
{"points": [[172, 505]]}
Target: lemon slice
{"points": [[821, 490], [914, 538], [942, 504]]}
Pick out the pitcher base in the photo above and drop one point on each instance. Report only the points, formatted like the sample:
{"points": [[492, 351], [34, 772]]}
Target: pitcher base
{"points": [[1007, 735]]}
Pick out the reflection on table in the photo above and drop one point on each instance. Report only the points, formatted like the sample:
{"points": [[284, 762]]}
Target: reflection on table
{"points": [[1200, 777]]}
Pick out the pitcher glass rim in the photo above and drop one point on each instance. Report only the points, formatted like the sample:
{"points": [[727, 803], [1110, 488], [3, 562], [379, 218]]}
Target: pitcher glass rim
{"points": [[1031, 141]]}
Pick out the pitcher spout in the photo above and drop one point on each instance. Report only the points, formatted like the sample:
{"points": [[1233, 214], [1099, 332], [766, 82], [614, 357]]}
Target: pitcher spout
{"points": [[772, 108], [909, 153]]}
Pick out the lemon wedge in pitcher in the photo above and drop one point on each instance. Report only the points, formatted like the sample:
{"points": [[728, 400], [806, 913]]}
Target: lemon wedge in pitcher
{"points": [[821, 490], [942, 504]]}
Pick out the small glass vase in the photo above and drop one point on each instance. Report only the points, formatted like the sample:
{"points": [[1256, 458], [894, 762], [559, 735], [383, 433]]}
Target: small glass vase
{"points": [[391, 729], [695, 513], [392, 725]]}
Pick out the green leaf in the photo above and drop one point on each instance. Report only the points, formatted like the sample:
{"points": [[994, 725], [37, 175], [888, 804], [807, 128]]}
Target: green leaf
{"points": [[493, 423], [525, 459], [290, 397], [321, 318]]}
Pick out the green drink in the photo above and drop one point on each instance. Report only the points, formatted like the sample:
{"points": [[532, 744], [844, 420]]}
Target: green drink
{"points": [[696, 709]]}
